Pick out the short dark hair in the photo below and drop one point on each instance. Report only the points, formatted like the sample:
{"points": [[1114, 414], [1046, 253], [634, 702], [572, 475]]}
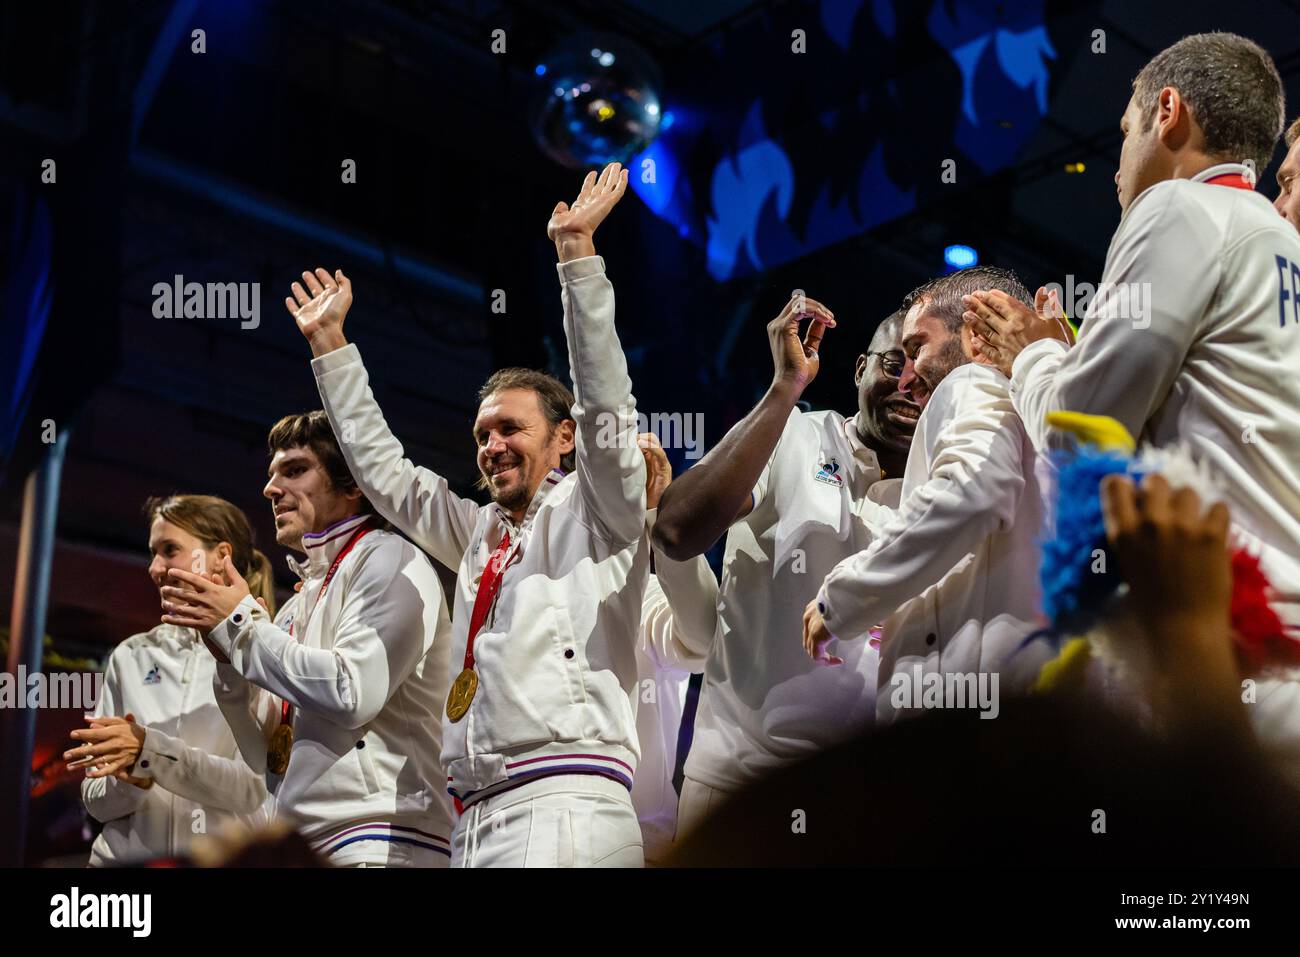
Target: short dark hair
{"points": [[944, 294], [1293, 132], [1232, 88], [552, 395], [313, 430]]}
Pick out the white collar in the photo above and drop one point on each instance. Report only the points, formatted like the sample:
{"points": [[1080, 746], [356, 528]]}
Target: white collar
{"points": [[1222, 169], [184, 636], [324, 546], [552, 478], [865, 457]]}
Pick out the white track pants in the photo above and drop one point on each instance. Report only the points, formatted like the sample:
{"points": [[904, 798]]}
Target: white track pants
{"points": [[568, 820], [697, 802]]}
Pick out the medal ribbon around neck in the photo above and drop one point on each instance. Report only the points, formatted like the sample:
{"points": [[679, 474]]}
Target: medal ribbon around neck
{"points": [[466, 683], [277, 753]]}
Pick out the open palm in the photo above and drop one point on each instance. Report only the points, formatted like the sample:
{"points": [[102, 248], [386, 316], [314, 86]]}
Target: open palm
{"points": [[325, 307], [596, 198]]}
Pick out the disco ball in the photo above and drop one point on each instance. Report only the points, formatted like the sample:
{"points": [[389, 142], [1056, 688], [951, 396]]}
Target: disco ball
{"points": [[597, 101]]}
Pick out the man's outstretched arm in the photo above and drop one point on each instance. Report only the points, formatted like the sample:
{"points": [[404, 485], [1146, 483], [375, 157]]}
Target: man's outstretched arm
{"points": [[415, 499], [611, 472], [704, 501]]}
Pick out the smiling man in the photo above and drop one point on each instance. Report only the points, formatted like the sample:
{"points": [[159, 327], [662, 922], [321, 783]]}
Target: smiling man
{"points": [[953, 573], [794, 493], [337, 701], [539, 729]]}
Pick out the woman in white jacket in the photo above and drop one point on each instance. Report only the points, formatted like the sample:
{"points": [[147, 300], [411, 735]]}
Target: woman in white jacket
{"points": [[161, 763]]}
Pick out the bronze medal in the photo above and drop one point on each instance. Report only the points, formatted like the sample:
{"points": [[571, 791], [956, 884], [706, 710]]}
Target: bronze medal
{"points": [[277, 752], [461, 694]]}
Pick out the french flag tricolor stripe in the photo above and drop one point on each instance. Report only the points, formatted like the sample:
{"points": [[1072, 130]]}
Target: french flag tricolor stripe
{"points": [[337, 530], [395, 833], [530, 769]]}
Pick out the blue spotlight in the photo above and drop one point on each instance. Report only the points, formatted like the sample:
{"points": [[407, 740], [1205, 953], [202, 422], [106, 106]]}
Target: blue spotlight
{"points": [[960, 257]]}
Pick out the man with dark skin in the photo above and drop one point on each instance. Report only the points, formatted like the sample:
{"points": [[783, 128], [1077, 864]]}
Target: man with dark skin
{"points": [[794, 493], [886, 415], [886, 419]]}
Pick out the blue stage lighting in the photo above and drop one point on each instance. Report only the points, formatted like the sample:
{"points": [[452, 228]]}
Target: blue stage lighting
{"points": [[960, 257]]}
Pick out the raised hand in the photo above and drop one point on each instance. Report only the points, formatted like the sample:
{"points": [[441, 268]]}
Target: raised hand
{"points": [[796, 359], [202, 602], [1002, 326], [1173, 553], [321, 308], [571, 227], [1047, 303]]}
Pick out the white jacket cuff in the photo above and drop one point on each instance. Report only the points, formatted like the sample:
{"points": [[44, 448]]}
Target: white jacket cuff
{"points": [[337, 359], [229, 632], [827, 613], [159, 754], [574, 269]]}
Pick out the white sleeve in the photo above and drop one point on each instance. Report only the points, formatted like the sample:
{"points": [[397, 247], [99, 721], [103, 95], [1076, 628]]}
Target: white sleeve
{"points": [[226, 783], [1162, 271], [108, 799], [610, 467], [974, 488], [679, 616], [415, 499], [378, 640], [251, 712]]}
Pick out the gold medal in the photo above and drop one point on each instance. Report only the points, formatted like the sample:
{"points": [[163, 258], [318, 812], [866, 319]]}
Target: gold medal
{"points": [[461, 694], [277, 752]]}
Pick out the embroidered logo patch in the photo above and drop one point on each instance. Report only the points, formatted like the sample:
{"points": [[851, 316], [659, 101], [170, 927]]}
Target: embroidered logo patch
{"points": [[153, 677], [829, 472]]}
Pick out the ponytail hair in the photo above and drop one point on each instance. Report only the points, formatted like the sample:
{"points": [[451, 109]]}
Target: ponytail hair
{"points": [[213, 520], [261, 580]]}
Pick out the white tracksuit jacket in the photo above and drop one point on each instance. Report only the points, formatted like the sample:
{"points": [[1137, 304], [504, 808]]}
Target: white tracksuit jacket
{"points": [[954, 572], [164, 678], [556, 657], [1213, 362], [366, 671], [764, 704]]}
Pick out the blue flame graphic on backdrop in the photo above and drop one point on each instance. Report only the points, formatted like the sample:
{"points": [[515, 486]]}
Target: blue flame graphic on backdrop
{"points": [[1002, 58]]}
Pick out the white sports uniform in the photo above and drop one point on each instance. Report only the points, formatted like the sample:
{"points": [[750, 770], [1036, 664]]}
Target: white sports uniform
{"points": [[365, 669], [164, 678], [1213, 361], [678, 620], [955, 570], [764, 704], [552, 721]]}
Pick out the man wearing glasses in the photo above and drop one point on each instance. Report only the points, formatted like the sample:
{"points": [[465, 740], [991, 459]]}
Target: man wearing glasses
{"points": [[954, 572], [795, 493]]}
